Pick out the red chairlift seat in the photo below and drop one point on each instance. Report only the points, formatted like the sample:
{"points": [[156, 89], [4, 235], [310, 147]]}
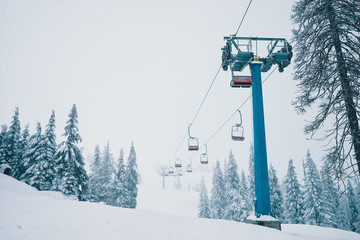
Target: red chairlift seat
{"points": [[237, 133], [204, 158], [193, 144], [171, 170], [241, 81], [188, 168], [178, 163]]}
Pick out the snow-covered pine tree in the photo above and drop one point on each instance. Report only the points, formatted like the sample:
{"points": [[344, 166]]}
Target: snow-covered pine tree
{"points": [[246, 201], [13, 145], [3, 140], [49, 149], [106, 177], [24, 144], [31, 156], [204, 202], [217, 202], [41, 172], [352, 204], [276, 198], [313, 212], [234, 209], [71, 175], [293, 207], [251, 177], [131, 178], [344, 213], [94, 182], [330, 198], [120, 191], [328, 67]]}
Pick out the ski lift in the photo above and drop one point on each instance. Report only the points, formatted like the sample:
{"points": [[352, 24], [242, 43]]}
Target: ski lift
{"points": [[189, 167], [171, 170], [241, 81], [237, 131], [204, 157], [193, 143], [178, 163]]}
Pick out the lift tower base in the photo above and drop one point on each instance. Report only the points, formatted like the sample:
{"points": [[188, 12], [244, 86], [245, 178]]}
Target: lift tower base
{"points": [[266, 221]]}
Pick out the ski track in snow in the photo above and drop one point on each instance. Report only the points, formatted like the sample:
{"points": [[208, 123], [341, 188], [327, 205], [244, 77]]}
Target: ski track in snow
{"points": [[29, 214]]}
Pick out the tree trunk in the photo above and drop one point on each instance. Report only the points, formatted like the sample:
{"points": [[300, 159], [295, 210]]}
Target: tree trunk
{"points": [[345, 84]]}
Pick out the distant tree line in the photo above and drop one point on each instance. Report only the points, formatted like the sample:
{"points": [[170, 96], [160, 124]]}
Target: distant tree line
{"points": [[42, 163], [318, 201]]}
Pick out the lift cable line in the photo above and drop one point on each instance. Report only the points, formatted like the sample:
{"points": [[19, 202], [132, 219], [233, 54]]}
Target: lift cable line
{"points": [[197, 112], [236, 111], [243, 18]]}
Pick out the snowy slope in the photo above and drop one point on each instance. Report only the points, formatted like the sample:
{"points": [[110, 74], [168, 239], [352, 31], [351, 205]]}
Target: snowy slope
{"points": [[29, 214]]}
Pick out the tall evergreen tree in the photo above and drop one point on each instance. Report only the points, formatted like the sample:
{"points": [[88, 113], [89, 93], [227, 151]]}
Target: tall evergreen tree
{"points": [[352, 204], [132, 178], [120, 191], [13, 145], [31, 156], [330, 198], [276, 198], [204, 203], [3, 141], [246, 201], [313, 213], [71, 174], [217, 202], [293, 207], [94, 182], [106, 176], [328, 68], [233, 210], [24, 144]]}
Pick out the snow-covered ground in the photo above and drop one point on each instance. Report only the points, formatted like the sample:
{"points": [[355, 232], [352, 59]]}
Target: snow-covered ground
{"points": [[29, 214]]}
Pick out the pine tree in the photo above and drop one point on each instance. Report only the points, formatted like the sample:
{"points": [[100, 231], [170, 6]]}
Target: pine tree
{"points": [[94, 182], [330, 198], [24, 144], [328, 68], [3, 141], [352, 204], [313, 213], [106, 177], [217, 202], [31, 156], [293, 212], [131, 176], [40, 171], [251, 177], [120, 191], [246, 201], [13, 145], [276, 198], [71, 174], [204, 203], [233, 210]]}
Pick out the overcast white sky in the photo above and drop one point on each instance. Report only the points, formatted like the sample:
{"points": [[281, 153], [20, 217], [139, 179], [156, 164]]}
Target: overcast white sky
{"points": [[138, 71]]}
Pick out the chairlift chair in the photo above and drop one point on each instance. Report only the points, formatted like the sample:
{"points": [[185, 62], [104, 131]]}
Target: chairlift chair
{"points": [[241, 81], [178, 163], [171, 170], [204, 157], [193, 143], [237, 131], [189, 167]]}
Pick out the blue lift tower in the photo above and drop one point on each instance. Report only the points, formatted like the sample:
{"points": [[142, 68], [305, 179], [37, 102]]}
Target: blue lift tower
{"points": [[238, 54]]}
